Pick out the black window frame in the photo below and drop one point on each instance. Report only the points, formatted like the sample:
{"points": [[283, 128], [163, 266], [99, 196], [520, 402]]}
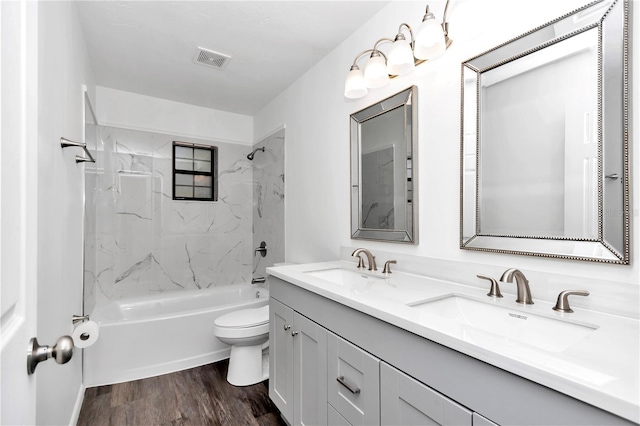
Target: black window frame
{"points": [[213, 173]]}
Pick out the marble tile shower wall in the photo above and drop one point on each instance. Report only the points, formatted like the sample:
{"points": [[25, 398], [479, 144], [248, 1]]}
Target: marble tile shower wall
{"points": [[145, 242], [268, 202]]}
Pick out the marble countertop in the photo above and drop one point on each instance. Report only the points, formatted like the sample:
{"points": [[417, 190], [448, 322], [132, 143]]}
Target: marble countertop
{"points": [[602, 369]]}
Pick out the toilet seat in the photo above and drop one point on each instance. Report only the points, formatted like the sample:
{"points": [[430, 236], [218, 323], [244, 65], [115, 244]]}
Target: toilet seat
{"points": [[244, 318]]}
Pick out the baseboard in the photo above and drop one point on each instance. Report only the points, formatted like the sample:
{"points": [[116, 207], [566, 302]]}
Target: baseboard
{"points": [[78, 406]]}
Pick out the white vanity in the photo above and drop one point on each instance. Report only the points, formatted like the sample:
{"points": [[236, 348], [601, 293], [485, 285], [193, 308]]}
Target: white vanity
{"points": [[354, 347]]}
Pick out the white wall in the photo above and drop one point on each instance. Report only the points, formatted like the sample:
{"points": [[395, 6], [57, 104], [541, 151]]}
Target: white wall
{"points": [[117, 108], [316, 115], [62, 71]]}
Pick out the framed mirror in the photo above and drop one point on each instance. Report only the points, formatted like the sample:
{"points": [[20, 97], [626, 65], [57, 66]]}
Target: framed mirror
{"points": [[383, 174], [544, 156]]}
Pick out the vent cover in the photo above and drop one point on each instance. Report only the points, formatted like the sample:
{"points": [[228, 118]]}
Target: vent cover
{"points": [[211, 59]]}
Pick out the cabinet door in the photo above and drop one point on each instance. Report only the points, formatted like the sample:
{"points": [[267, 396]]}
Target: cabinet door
{"points": [[281, 358], [309, 372], [353, 382], [405, 401]]}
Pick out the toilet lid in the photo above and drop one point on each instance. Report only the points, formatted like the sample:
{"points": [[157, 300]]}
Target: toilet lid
{"points": [[244, 318]]}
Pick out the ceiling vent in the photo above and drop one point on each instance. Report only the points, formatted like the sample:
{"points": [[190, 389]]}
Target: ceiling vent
{"points": [[211, 59]]}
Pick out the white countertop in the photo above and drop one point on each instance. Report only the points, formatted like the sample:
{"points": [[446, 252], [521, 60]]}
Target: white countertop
{"points": [[602, 369]]}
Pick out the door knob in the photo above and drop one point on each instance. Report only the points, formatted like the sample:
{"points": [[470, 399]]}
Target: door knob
{"points": [[62, 352]]}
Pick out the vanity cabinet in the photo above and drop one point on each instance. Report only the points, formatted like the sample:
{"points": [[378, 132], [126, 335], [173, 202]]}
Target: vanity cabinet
{"points": [[402, 378], [298, 366], [319, 378]]}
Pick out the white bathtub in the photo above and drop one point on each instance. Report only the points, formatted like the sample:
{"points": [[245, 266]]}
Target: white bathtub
{"points": [[159, 334]]}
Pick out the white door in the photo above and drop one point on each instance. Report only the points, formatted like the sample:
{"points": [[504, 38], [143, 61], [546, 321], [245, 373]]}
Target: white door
{"points": [[18, 207]]}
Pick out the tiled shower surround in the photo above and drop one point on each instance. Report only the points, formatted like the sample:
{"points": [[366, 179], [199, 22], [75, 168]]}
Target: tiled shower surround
{"points": [[139, 241]]}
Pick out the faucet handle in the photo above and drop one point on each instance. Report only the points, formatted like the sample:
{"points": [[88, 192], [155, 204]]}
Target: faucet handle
{"points": [[387, 266], [494, 291], [562, 305]]}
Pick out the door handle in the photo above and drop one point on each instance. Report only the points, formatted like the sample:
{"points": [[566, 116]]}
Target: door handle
{"points": [[62, 352]]}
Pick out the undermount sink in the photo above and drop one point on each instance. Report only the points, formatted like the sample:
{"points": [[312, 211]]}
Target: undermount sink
{"points": [[473, 320], [343, 277]]}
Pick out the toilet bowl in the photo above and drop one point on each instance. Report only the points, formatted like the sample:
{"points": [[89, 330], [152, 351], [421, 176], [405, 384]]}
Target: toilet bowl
{"points": [[247, 331]]}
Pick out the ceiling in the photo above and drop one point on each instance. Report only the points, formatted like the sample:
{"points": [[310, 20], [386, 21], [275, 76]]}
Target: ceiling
{"points": [[147, 47]]}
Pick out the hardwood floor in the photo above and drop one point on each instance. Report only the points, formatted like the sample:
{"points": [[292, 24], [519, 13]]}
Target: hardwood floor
{"points": [[199, 396]]}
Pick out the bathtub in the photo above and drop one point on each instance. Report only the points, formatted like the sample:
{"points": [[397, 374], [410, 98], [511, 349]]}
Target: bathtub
{"points": [[160, 334]]}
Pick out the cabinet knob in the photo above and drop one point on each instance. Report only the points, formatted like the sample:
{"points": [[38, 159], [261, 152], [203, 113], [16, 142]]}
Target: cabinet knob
{"points": [[294, 333], [286, 327]]}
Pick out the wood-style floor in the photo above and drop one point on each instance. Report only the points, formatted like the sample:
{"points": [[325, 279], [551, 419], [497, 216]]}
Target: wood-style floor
{"points": [[199, 396]]}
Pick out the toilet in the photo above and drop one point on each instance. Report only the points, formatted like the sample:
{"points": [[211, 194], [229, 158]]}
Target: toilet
{"points": [[247, 331]]}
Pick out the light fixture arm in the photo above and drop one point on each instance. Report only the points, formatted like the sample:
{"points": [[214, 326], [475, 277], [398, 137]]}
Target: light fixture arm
{"points": [[358, 56], [445, 24], [375, 46], [412, 43], [364, 52]]}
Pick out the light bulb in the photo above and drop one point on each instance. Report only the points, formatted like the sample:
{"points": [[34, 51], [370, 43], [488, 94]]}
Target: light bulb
{"points": [[400, 58], [354, 86], [430, 42], [375, 72]]}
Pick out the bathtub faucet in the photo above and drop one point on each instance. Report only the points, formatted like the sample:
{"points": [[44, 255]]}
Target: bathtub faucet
{"points": [[262, 249], [258, 280]]}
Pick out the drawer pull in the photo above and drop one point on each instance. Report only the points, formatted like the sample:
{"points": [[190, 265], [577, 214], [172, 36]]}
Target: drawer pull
{"points": [[286, 327], [350, 388]]}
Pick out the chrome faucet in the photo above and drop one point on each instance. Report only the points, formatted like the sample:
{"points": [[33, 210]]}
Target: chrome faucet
{"points": [[524, 293], [370, 258]]}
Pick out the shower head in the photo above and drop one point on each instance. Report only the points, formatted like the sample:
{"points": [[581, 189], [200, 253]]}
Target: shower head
{"points": [[250, 156]]}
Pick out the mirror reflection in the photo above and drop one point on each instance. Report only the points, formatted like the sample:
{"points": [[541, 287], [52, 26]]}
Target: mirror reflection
{"points": [[544, 153], [382, 146]]}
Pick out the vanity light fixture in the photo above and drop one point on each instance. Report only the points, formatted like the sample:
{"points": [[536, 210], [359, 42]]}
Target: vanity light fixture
{"points": [[430, 41], [401, 60], [375, 72]]}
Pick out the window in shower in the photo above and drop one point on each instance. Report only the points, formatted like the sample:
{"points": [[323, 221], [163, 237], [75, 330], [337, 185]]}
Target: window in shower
{"points": [[195, 172]]}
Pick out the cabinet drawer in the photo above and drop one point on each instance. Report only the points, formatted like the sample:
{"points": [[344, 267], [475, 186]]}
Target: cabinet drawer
{"points": [[334, 418], [478, 420], [405, 401], [353, 382]]}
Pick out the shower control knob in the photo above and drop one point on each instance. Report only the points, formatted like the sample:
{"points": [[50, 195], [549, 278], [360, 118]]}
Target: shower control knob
{"points": [[294, 333], [286, 327]]}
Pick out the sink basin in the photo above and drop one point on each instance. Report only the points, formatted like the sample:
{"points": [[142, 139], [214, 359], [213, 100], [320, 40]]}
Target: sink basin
{"points": [[343, 276], [473, 320]]}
